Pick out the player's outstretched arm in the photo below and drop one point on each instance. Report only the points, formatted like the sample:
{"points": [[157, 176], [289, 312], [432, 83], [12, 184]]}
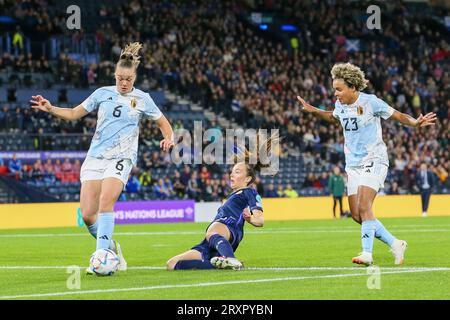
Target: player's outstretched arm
{"points": [[40, 103], [167, 132], [422, 121], [255, 217], [323, 115]]}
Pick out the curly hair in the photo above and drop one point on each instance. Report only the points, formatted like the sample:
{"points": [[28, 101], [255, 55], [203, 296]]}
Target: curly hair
{"points": [[352, 75], [129, 57]]}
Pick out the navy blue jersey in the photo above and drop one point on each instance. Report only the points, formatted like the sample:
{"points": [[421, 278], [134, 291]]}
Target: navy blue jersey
{"points": [[230, 213]]}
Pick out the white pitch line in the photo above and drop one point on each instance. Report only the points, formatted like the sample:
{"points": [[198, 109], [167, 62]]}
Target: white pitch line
{"points": [[355, 226], [65, 267], [202, 232], [248, 268], [204, 284], [346, 268]]}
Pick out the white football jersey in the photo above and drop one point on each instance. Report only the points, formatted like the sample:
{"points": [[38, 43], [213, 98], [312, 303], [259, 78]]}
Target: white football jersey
{"points": [[117, 132], [361, 125]]}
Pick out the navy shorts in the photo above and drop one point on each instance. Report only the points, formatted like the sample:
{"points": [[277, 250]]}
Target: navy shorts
{"points": [[208, 252]]}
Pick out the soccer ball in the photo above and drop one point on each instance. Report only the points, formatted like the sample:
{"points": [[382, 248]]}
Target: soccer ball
{"points": [[104, 262]]}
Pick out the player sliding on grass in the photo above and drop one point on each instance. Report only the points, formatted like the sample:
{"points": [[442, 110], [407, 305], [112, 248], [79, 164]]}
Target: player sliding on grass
{"points": [[113, 150], [365, 152], [225, 233]]}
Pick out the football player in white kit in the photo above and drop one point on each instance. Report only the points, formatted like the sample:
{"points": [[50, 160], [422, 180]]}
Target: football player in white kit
{"points": [[114, 146], [365, 152]]}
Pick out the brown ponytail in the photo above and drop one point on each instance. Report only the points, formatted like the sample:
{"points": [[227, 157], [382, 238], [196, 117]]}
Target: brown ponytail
{"points": [[264, 148]]}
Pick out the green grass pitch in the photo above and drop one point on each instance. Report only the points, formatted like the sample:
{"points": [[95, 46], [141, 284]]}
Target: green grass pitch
{"points": [[283, 260]]}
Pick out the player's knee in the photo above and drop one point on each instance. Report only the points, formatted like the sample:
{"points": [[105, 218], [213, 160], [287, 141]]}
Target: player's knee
{"points": [[170, 264], [106, 203], [210, 234], [88, 215], [363, 209]]}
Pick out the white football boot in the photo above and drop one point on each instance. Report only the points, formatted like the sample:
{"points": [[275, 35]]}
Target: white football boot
{"points": [[398, 249], [226, 263], [364, 258], [115, 246]]}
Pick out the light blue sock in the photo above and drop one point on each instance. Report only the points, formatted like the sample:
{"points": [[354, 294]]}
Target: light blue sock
{"points": [[105, 231], [93, 229], [382, 234], [367, 234]]}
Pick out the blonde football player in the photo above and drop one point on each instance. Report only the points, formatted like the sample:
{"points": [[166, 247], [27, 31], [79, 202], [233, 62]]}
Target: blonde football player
{"points": [[113, 150]]}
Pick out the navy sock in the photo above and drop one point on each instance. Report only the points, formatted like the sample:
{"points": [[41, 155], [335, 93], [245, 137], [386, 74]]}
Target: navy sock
{"points": [[193, 264], [222, 245]]}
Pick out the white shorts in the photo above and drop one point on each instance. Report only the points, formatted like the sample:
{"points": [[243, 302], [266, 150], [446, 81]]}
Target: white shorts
{"points": [[99, 169], [371, 175]]}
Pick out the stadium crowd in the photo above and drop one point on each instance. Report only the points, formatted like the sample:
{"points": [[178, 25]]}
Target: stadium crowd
{"points": [[232, 68]]}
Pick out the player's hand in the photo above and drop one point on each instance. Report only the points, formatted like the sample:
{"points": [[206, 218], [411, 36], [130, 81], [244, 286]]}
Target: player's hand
{"points": [[40, 103], [426, 120], [247, 214], [166, 144], [305, 106]]}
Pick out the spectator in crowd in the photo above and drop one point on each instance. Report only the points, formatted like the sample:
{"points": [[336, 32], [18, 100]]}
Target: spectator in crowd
{"points": [[208, 191], [169, 186], [15, 165], [309, 180], [67, 173], [156, 161], [280, 191], [216, 190], [37, 171], [67, 166], [49, 177], [145, 179], [48, 166], [133, 185], [161, 190], [426, 180], [186, 175], [17, 41], [57, 168], [323, 180], [271, 192], [224, 189], [193, 189], [316, 182], [178, 187], [76, 167], [204, 173], [336, 187], [394, 189], [289, 192]]}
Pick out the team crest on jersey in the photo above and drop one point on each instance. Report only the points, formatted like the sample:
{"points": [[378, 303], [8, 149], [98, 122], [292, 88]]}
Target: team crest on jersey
{"points": [[133, 103], [359, 110]]}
